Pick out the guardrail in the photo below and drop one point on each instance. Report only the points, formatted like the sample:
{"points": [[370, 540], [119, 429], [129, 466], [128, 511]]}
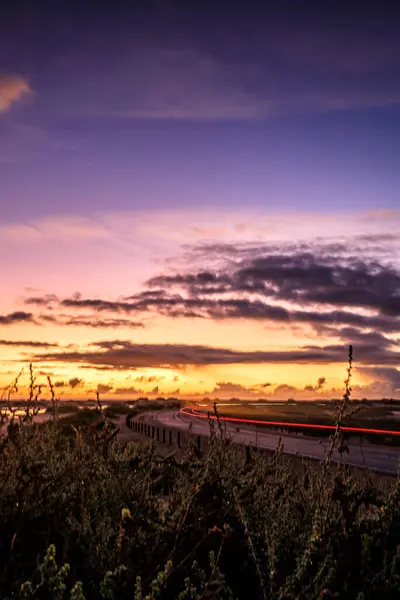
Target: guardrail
{"points": [[166, 435]]}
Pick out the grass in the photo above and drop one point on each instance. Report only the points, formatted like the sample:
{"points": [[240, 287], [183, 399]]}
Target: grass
{"points": [[65, 408], [375, 416], [117, 409], [363, 415], [226, 526], [82, 418]]}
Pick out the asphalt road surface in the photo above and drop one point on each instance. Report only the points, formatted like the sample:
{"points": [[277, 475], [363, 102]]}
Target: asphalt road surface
{"points": [[383, 459]]}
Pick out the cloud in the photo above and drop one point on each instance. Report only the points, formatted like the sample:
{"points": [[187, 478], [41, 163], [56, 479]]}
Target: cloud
{"points": [[357, 338], [28, 344], [129, 391], [75, 382], [265, 385], [108, 368], [304, 284], [318, 387], [329, 286], [12, 89], [179, 84], [47, 301], [382, 214], [16, 317], [124, 354], [301, 277], [98, 304], [283, 389], [104, 388], [179, 305], [284, 66], [176, 83], [388, 375], [69, 228], [149, 378], [90, 321], [229, 389]]}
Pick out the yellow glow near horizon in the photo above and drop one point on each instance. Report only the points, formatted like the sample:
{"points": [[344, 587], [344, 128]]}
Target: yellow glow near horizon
{"points": [[111, 255]]}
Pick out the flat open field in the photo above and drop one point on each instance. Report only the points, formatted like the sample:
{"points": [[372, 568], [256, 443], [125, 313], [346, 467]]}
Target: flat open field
{"points": [[374, 415]]}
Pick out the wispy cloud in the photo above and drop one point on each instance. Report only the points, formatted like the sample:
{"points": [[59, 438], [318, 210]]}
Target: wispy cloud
{"points": [[89, 321], [27, 344], [241, 70], [12, 89], [199, 85], [17, 317], [63, 227], [303, 277], [229, 389], [381, 375], [167, 230], [324, 285], [177, 83], [125, 354], [129, 391]]}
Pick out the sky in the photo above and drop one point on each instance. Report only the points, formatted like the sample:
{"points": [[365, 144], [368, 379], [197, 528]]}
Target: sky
{"points": [[200, 199]]}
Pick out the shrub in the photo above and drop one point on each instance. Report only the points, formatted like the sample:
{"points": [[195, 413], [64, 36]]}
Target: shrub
{"points": [[86, 517], [117, 517]]}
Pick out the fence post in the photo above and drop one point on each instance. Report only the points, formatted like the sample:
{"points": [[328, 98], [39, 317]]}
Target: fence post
{"points": [[163, 435], [248, 455], [152, 431], [170, 438], [158, 434], [178, 439]]}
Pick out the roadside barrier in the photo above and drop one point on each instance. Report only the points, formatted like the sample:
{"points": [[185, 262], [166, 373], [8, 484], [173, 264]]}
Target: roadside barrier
{"points": [[165, 435]]}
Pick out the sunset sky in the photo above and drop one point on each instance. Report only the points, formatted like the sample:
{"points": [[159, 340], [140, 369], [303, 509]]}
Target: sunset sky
{"points": [[198, 199]]}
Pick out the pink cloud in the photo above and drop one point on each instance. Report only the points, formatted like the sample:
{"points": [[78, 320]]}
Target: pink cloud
{"points": [[12, 89]]}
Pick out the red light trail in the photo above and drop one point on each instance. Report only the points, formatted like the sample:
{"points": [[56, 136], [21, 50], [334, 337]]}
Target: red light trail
{"points": [[195, 413]]}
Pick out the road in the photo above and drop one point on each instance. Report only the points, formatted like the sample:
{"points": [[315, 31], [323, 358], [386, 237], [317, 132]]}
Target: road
{"points": [[383, 459]]}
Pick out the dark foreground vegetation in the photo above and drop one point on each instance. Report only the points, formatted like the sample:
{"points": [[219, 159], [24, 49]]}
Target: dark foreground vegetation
{"points": [[85, 516], [88, 517]]}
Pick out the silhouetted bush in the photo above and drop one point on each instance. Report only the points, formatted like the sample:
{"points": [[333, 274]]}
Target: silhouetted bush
{"points": [[118, 518]]}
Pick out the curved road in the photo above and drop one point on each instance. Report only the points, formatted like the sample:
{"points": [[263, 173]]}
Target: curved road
{"points": [[383, 459]]}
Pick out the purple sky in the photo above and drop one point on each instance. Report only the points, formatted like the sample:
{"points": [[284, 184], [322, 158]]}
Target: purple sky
{"points": [[166, 105], [244, 158]]}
